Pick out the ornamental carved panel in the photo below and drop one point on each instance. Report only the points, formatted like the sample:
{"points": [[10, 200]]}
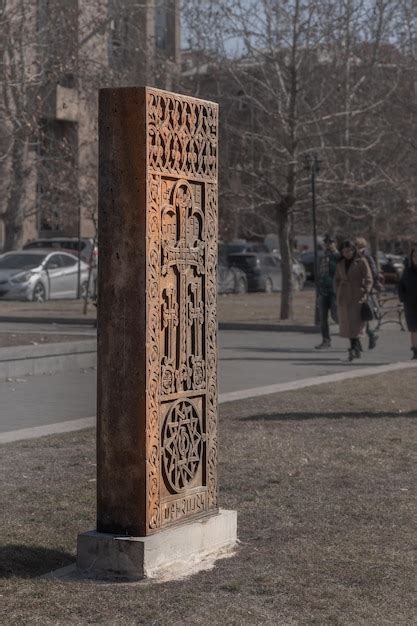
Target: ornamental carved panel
{"points": [[181, 285]]}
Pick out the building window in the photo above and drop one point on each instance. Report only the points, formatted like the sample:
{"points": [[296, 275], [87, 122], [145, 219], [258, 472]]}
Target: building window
{"points": [[125, 33], [118, 42], [161, 24]]}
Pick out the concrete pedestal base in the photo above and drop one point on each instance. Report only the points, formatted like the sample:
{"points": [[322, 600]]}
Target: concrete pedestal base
{"points": [[170, 553]]}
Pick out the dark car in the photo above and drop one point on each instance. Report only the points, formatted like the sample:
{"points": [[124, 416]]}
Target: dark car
{"points": [[391, 266], [240, 247], [263, 271], [307, 259], [231, 279]]}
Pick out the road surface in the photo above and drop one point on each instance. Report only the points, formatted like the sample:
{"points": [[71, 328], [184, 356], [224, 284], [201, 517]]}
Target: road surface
{"points": [[247, 359]]}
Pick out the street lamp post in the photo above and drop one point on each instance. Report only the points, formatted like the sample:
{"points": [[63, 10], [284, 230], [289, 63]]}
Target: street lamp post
{"points": [[79, 249], [313, 168]]}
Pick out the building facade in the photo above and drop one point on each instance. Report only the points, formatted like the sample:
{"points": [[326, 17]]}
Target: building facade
{"points": [[72, 49]]}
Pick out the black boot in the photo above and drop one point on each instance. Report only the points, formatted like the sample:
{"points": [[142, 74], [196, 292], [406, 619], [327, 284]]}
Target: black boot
{"points": [[351, 351], [357, 347], [326, 343], [414, 354], [373, 338]]}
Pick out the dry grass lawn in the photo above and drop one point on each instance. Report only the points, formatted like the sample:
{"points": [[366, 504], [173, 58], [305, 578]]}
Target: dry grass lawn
{"points": [[264, 308], [254, 308], [8, 339], [324, 481], [250, 307]]}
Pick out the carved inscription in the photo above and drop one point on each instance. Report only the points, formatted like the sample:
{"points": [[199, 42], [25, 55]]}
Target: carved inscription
{"points": [[182, 327], [175, 510]]}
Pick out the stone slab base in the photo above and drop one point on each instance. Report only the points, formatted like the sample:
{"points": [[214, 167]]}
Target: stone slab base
{"points": [[166, 555]]}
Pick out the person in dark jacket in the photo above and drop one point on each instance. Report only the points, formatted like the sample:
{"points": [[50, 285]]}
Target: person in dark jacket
{"points": [[327, 296], [407, 291], [361, 246]]}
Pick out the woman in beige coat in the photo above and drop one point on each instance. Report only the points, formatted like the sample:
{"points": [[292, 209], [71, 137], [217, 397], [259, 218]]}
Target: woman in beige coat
{"points": [[353, 283]]}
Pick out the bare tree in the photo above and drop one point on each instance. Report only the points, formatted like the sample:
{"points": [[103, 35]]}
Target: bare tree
{"points": [[304, 77], [28, 70], [62, 52]]}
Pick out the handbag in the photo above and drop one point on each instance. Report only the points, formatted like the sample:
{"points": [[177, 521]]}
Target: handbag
{"points": [[367, 313], [374, 304]]}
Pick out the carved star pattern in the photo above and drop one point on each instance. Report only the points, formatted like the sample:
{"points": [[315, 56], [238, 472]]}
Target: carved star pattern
{"points": [[182, 445]]}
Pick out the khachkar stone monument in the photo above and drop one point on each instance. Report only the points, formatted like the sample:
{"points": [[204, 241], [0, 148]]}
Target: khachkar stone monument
{"points": [[157, 504]]}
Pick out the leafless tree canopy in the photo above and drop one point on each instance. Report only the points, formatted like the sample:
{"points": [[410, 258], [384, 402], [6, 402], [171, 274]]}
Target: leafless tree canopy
{"points": [[56, 54], [333, 78]]}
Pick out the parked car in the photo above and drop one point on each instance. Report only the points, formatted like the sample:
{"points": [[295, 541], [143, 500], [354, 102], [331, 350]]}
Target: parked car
{"points": [[89, 249], [391, 265], [231, 279], [240, 246], [263, 271], [40, 275], [298, 270], [307, 259]]}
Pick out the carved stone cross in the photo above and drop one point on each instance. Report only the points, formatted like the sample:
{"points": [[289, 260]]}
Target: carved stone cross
{"points": [[157, 327]]}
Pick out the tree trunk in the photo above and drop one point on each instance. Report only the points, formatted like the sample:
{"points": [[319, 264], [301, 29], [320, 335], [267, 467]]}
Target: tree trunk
{"points": [[13, 215], [286, 262]]}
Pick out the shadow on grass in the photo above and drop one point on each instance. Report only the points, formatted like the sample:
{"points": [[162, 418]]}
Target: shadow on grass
{"points": [[283, 417], [30, 561]]}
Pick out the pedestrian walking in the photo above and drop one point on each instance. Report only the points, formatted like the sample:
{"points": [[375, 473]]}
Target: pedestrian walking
{"points": [[407, 291], [362, 248], [353, 283], [326, 293]]}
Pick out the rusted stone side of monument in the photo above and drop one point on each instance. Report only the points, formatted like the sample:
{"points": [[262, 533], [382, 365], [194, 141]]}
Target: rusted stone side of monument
{"points": [[157, 325]]}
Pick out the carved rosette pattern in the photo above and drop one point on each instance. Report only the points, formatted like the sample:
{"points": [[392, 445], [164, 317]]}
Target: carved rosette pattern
{"points": [[182, 299]]}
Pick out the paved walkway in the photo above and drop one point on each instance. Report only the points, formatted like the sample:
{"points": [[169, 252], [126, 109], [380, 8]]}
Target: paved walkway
{"points": [[248, 359], [252, 359]]}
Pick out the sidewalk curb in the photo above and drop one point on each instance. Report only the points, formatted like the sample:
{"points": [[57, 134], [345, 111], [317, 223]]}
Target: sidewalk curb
{"points": [[48, 429], [75, 321], [294, 385], [82, 321], [18, 361], [233, 396]]}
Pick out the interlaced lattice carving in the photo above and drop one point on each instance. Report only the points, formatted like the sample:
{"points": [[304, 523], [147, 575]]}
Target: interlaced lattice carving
{"points": [[153, 364], [182, 286], [182, 136]]}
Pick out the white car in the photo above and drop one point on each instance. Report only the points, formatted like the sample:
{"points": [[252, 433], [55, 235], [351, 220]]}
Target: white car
{"points": [[298, 272], [41, 275]]}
